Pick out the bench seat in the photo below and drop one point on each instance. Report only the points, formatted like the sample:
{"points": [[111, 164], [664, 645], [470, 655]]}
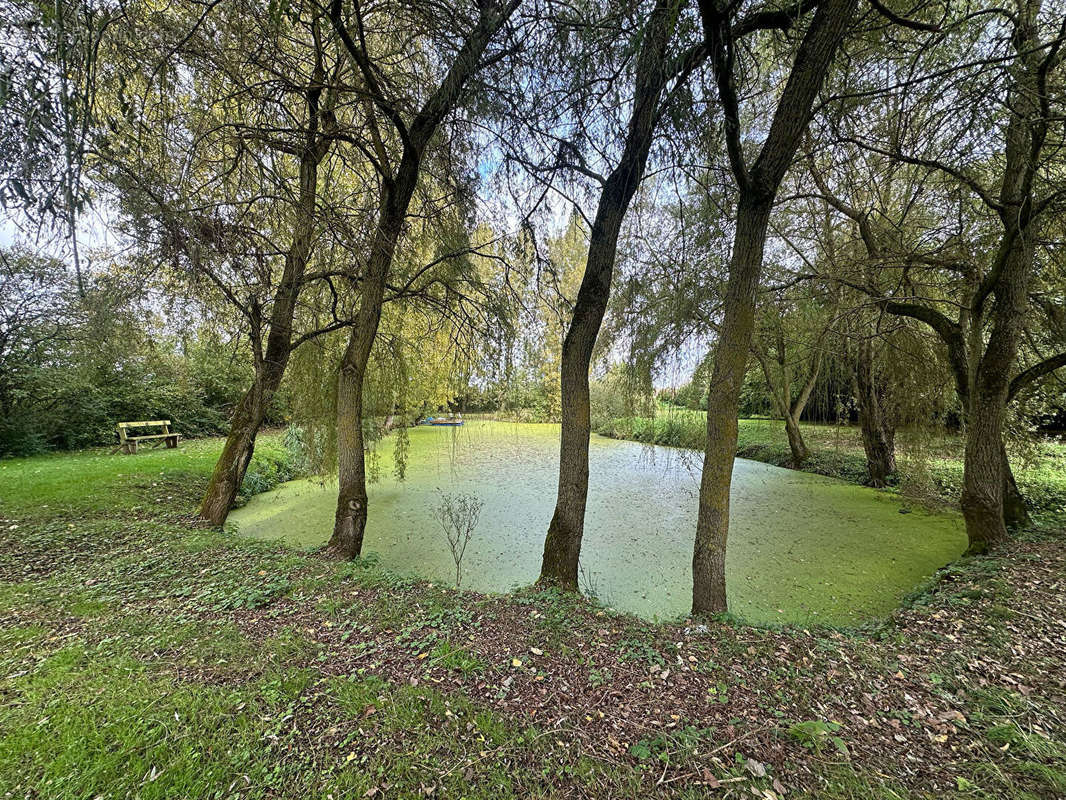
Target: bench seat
{"points": [[127, 443]]}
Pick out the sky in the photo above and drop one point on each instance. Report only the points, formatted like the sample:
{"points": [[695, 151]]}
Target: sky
{"points": [[15, 228]]}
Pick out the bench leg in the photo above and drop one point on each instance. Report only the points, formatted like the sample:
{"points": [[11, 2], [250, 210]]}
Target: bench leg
{"points": [[172, 442]]}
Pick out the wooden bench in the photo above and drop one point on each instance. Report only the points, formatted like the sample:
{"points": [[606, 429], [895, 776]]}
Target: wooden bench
{"points": [[128, 444]]}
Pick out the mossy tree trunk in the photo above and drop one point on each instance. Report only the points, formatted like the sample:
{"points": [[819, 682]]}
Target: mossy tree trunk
{"points": [[878, 431]]}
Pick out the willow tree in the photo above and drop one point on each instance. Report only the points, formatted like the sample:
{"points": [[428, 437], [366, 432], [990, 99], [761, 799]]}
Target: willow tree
{"points": [[396, 148], [555, 287], [657, 64], [212, 139], [417, 362], [973, 290], [789, 346], [50, 56], [757, 182], [987, 351]]}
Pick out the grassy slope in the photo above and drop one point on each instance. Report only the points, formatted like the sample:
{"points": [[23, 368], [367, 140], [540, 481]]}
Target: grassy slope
{"points": [[144, 657], [95, 480], [930, 468]]}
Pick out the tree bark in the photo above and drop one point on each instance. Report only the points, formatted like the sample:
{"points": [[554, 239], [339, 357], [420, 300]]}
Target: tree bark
{"points": [[562, 544], [228, 475], [986, 471], [878, 443], [800, 452], [982, 492], [723, 401], [350, 519], [1015, 511]]}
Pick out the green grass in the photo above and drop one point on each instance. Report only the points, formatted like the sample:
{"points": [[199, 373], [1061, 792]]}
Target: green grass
{"points": [[125, 671], [930, 465], [94, 480], [122, 680], [88, 725]]}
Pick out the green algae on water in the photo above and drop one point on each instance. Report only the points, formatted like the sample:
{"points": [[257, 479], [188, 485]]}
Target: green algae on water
{"points": [[803, 548]]}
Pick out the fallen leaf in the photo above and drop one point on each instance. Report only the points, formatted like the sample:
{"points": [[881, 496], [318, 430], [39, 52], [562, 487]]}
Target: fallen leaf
{"points": [[755, 768]]}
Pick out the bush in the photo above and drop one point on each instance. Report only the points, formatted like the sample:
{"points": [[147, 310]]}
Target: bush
{"points": [[76, 366], [670, 429], [268, 468]]}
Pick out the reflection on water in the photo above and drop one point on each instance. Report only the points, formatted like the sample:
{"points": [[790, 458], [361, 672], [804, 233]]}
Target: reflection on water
{"points": [[802, 547]]}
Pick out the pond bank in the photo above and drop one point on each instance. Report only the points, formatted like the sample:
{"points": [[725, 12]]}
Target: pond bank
{"points": [[930, 467]]}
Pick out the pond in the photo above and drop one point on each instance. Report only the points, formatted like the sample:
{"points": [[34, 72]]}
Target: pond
{"points": [[802, 548]]}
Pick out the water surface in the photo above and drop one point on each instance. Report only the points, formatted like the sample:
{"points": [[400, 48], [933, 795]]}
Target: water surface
{"points": [[802, 547]]}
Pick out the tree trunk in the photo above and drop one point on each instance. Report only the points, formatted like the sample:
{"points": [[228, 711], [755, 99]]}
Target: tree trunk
{"points": [[982, 492], [270, 369], [251, 411], [758, 189], [397, 188], [878, 442], [878, 434], [562, 544], [723, 402], [1015, 512], [987, 475], [800, 453], [987, 471], [781, 397], [350, 521], [228, 475], [232, 464]]}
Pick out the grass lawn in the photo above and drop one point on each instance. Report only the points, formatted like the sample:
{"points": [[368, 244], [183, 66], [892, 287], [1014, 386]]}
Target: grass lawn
{"points": [[144, 656]]}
